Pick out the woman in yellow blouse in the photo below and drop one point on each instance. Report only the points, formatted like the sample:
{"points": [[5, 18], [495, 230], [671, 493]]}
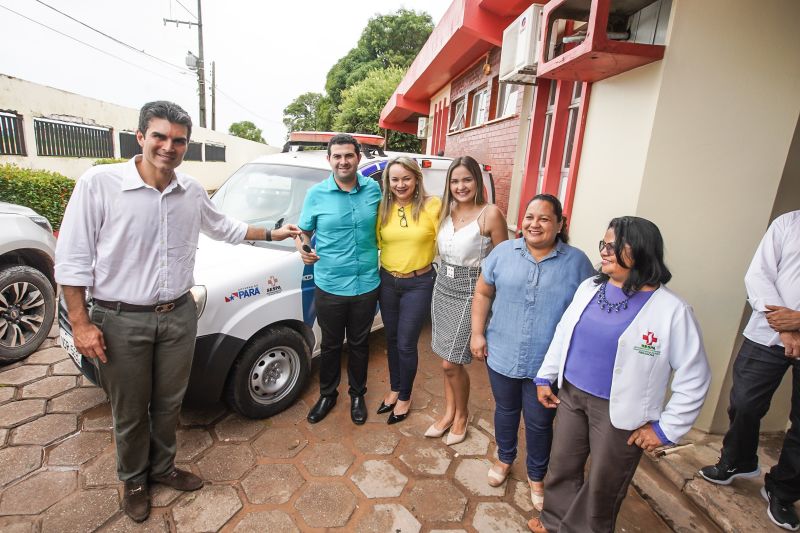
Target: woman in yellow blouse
{"points": [[407, 225]]}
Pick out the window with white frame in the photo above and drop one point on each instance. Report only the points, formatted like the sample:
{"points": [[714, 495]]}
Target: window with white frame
{"points": [[569, 139], [459, 115], [480, 107], [507, 99]]}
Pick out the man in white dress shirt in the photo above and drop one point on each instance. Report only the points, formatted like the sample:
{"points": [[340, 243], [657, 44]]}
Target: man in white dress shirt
{"points": [[129, 235], [771, 346]]}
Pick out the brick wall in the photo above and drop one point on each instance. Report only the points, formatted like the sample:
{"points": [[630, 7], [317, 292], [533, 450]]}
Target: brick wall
{"points": [[492, 143]]}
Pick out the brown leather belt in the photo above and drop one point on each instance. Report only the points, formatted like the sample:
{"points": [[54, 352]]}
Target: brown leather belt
{"points": [[412, 274], [164, 307]]}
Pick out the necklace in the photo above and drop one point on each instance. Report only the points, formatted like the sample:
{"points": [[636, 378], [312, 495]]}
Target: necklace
{"points": [[607, 306]]}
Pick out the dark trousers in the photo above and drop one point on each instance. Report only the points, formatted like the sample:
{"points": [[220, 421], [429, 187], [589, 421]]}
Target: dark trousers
{"points": [[341, 316], [575, 502], [512, 397], [757, 372], [405, 306], [145, 378]]}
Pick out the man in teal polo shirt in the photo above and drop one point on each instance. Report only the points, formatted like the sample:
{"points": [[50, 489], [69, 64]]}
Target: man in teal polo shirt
{"points": [[343, 210]]}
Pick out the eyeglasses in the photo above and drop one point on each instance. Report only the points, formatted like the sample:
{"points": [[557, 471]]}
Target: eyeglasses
{"points": [[401, 212], [607, 246]]}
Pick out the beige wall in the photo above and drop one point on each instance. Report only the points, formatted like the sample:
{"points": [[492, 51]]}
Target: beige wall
{"points": [[32, 100], [698, 143]]}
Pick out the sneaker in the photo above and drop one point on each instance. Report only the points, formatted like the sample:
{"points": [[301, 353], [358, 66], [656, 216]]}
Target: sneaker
{"points": [[723, 474], [781, 513]]}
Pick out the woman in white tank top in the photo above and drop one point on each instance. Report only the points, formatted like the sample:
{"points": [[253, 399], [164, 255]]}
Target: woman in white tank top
{"points": [[469, 229]]}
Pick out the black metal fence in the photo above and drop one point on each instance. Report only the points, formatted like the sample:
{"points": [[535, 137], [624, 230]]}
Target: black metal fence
{"points": [[72, 140], [215, 152], [12, 141], [128, 145]]}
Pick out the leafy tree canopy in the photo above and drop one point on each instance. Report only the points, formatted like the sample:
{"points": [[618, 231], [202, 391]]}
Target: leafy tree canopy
{"points": [[246, 130], [308, 112]]}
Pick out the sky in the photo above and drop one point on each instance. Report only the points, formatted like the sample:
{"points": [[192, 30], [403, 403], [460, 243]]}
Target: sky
{"points": [[266, 52]]}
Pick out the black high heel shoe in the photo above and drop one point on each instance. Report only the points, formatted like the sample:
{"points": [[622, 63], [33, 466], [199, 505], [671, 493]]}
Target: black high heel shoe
{"points": [[394, 419], [385, 408]]}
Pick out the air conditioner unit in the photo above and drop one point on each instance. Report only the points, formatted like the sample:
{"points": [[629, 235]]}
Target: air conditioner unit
{"points": [[422, 128], [520, 47]]}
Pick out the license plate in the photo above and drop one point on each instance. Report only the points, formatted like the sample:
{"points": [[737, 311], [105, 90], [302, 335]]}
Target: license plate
{"points": [[69, 346]]}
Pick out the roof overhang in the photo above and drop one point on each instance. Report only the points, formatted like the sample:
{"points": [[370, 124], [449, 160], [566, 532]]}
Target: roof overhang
{"points": [[468, 30]]}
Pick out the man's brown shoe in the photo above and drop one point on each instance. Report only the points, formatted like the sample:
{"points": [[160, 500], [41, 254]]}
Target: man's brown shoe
{"points": [[136, 501], [179, 480]]}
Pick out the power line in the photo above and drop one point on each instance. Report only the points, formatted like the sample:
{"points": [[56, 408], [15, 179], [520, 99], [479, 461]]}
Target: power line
{"points": [[186, 9], [111, 37]]}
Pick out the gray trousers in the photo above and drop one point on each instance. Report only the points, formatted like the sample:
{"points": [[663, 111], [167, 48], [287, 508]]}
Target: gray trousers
{"points": [[149, 359], [578, 502]]}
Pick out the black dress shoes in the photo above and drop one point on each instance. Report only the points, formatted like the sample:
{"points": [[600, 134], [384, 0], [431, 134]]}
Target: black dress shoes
{"points": [[394, 419], [358, 410], [385, 408], [321, 408]]}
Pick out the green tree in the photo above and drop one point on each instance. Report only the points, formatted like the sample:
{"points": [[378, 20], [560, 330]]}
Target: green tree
{"points": [[246, 130], [391, 40], [362, 104], [308, 112]]}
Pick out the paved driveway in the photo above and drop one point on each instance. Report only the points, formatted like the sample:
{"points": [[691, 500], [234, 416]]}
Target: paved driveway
{"points": [[57, 466]]}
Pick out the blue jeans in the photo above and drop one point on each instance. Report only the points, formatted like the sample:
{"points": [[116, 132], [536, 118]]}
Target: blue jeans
{"points": [[405, 306], [513, 396]]}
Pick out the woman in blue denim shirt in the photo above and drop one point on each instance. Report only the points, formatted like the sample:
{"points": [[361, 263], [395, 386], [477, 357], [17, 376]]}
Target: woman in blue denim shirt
{"points": [[527, 283]]}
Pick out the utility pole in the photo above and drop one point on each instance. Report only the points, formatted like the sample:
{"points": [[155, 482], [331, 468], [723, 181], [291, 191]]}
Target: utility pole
{"points": [[197, 63], [214, 95]]}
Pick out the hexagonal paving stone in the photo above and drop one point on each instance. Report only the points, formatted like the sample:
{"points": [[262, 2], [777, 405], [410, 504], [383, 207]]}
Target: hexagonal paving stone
{"points": [[16, 525], [7, 393], [66, 368], [378, 441], [48, 387], [498, 517], [486, 425], [207, 509], [426, 458], [476, 443], [416, 425], [437, 500], [123, 524], [282, 444], [98, 418], [45, 430], [47, 356], [201, 417], [16, 461], [434, 386], [3, 436], [77, 400], [379, 479], [448, 531], [389, 517], [421, 401], [236, 427], [162, 496], [326, 504], [336, 427], [102, 472], [522, 496], [295, 414], [22, 374], [37, 493], [82, 511], [273, 484], [328, 459], [191, 443], [226, 462], [19, 411], [78, 449], [473, 475], [266, 521]]}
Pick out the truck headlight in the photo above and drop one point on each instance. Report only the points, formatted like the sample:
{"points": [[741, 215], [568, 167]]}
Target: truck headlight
{"points": [[200, 295]]}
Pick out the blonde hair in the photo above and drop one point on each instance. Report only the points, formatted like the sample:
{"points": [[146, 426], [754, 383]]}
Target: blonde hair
{"points": [[387, 202], [474, 168]]}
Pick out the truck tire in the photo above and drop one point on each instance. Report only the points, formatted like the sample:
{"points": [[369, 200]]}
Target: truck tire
{"points": [[27, 308], [269, 373]]}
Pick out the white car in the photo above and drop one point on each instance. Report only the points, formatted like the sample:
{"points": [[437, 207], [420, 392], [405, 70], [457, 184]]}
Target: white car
{"points": [[257, 329]]}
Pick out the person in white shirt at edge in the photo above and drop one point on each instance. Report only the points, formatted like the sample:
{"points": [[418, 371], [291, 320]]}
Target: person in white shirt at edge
{"points": [[771, 346], [129, 235], [613, 353]]}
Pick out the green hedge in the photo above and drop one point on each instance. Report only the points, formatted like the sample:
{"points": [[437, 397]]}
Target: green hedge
{"points": [[45, 192], [109, 161]]}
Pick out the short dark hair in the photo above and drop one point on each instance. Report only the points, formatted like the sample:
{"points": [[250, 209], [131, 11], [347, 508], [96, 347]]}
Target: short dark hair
{"points": [[563, 235], [344, 138], [169, 111], [646, 250]]}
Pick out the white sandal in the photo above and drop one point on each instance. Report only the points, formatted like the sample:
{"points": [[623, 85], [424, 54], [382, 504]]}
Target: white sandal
{"points": [[496, 478], [537, 499]]}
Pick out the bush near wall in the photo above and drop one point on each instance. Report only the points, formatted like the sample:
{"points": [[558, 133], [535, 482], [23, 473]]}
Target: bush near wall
{"points": [[45, 192]]}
